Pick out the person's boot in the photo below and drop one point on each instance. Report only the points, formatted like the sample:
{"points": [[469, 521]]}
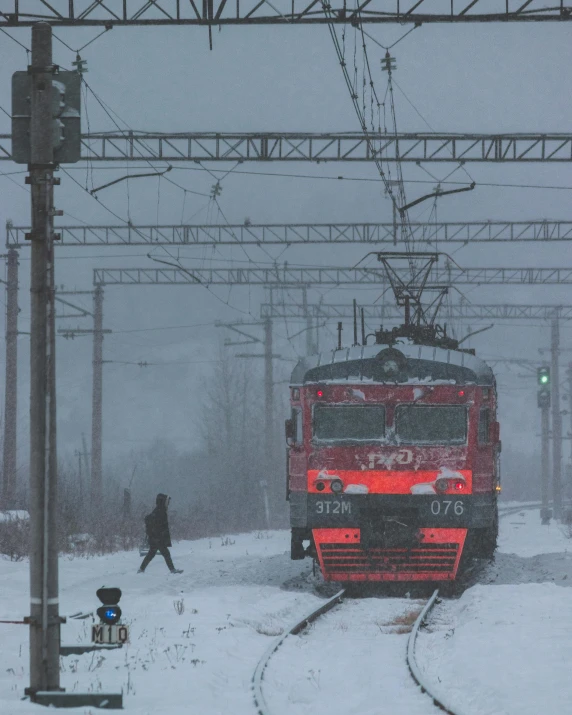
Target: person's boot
{"points": [[176, 570]]}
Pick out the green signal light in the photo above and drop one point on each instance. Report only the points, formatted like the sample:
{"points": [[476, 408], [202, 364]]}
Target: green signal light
{"points": [[544, 379]]}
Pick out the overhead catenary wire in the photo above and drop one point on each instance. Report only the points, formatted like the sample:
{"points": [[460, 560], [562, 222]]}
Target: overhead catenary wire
{"points": [[109, 112], [312, 177], [28, 51], [354, 97]]}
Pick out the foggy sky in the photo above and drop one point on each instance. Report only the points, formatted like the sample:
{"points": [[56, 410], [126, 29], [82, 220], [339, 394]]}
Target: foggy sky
{"points": [[481, 78]]}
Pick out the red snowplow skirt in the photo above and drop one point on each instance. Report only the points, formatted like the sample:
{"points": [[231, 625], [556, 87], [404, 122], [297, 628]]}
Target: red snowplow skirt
{"points": [[435, 558]]}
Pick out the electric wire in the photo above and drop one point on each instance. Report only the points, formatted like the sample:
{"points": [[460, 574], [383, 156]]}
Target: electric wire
{"points": [[28, 51], [337, 178], [461, 165], [389, 47], [117, 216], [354, 97], [109, 112]]}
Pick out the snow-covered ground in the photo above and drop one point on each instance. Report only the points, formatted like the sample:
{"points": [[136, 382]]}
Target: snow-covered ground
{"points": [[524, 535], [196, 638], [201, 660], [506, 647], [350, 662]]}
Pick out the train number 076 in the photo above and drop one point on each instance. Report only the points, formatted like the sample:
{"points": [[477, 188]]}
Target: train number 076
{"points": [[442, 508]]}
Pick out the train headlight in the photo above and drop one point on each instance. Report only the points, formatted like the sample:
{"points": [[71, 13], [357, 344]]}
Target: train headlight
{"points": [[445, 485], [320, 486], [337, 486]]}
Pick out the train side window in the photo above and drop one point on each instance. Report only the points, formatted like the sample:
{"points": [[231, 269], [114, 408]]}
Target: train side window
{"points": [[297, 425], [484, 426]]}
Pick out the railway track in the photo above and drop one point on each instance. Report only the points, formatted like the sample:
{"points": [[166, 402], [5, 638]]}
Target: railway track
{"points": [[257, 678], [439, 699], [432, 690]]}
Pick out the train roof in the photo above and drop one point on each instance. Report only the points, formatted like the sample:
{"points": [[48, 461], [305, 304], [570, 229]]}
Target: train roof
{"points": [[417, 364]]}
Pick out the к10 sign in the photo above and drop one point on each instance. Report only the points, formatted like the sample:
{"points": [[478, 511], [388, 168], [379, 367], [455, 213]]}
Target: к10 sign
{"points": [[109, 635]]}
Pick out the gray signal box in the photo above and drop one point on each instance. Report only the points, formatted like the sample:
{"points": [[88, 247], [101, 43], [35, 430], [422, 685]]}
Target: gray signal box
{"points": [[66, 120]]}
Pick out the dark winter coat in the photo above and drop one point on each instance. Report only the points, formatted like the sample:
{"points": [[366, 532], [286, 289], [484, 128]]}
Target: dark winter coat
{"points": [[157, 524]]}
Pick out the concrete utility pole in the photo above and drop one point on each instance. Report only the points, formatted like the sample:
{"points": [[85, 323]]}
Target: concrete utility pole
{"points": [[545, 461], [11, 387], [79, 455], [268, 389], [568, 490], [44, 603], [556, 421], [268, 356], [97, 398], [309, 338]]}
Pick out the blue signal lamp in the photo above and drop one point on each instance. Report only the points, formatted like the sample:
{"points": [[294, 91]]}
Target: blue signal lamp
{"points": [[109, 615]]}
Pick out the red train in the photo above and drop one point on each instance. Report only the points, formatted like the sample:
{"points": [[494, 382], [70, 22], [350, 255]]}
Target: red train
{"points": [[393, 460]]}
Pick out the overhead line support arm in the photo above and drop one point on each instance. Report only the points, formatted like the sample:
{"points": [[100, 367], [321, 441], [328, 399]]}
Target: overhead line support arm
{"points": [[74, 13], [412, 147]]}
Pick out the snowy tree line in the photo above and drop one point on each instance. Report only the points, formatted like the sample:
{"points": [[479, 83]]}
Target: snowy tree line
{"points": [[215, 485]]}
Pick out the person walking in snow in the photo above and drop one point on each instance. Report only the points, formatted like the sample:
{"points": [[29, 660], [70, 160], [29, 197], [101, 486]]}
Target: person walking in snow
{"points": [[157, 528]]}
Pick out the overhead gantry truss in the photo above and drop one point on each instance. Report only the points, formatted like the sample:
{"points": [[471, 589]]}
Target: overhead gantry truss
{"points": [[324, 311], [286, 276], [320, 147], [281, 12], [310, 233]]}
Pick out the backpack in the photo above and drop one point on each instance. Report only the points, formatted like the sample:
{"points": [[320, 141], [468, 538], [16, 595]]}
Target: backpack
{"points": [[149, 523]]}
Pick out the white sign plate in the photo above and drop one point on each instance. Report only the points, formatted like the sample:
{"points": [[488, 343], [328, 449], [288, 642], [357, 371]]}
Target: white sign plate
{"points": [[109, 635]]}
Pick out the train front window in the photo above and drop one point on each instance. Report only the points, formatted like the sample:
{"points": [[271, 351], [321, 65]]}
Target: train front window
{"points": [[431, 424], [349, 423]]}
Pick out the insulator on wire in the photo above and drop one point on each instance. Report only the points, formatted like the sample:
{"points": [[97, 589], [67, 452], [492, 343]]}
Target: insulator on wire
{"points": [[388, 63]]}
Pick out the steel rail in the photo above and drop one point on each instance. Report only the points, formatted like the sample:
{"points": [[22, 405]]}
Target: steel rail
{"points": [[258, 677], [439, 698]]}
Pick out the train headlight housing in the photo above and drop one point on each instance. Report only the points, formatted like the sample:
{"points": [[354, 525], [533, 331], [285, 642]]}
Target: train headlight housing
{"points": [[448, 485], [337, 486]]}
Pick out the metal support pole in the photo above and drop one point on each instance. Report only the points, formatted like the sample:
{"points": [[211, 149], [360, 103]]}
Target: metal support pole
{"points": [[309, 335], [80, 486], [264, 486], [545, 463], [306, 311], [44, 603], [86, 454], [268, 390], [11, 387], [97, 400], [569, 470], [556, 422]]}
